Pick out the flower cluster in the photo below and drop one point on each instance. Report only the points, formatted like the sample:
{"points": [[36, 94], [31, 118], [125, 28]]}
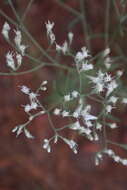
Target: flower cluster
{"points": [[33, 105], [111, 154], [82, 118], [14, 59]]}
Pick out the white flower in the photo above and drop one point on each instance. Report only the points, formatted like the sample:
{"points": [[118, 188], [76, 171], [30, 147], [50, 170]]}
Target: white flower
{"points": [[111, 86], [70, 37], [32, 96], [109, 152], [109, 108], [88, 117], [27, 108], [49, 27], [63, 48], [113, 126], [107, 78], [5, 30], [46, 145], [18, 38], [67, 98], [72, 144], [124, 162], [22, 49], [119, 73], [96, 137], [19, 59], [57, 111], [98, 126], [25, 89], [10, 61], [44, 82], [116, 158], [28, 134], [80, 56], [50, 34], [75, 114], [65, 113], [113, 99], [52, 38], [75, 126], [86, 67], [18, 130], [86, 131], [34, 105], [74, 94], [88, 123]]}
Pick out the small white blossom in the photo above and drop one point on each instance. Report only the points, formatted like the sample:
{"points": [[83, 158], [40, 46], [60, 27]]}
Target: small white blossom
{"points": [[10, 61], [70, 37], [109, 108], [75, 126], [34, 105], [52, 38], [5, 30], [113, 126], [18, 38], [98, 126], [72, 144], [67, 98], [109, 152], [96, 137], [28, 134], [86, 67], [80, 56], [49, 27], [119, 73], [57, 111], [63, 48], [124, 162], [22, 49], [116, 158], [27, 108], [107, 78], [18, 130], [75, 114], [46, 145], [111, 86], [65, 113], [74, 94], [113, 99], [19, 59], [25, 89]]}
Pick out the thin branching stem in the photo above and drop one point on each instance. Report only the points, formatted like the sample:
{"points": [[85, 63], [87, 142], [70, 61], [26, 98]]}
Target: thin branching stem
{"points": [[107, 18], [85, 24], [27, 10]]}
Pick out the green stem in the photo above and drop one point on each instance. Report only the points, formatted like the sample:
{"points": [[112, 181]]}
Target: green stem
{"points": [[65, 6], [26, 10], [107, 16], [85, 25]]}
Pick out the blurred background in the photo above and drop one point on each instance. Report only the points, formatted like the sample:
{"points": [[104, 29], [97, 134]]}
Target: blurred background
{"points": [[24, 165]]}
